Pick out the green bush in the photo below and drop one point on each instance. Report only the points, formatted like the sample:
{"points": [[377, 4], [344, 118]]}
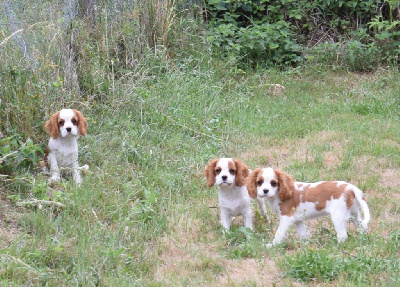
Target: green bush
{"points": [[245, 33], [269, 43], [276, 32], [17, 154]]}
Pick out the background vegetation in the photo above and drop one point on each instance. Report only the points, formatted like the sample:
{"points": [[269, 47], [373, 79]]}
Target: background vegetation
{"points": [[310, 87], [290, 32]]}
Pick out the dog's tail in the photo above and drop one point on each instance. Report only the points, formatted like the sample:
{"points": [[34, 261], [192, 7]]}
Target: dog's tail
{"points": [[364, 207]]}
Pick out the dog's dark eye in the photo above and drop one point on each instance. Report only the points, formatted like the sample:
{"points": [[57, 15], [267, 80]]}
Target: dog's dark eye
{"points": [[273, 183], [218, 170], [260, 182], [231, 171], [60, 123], [74, 122]]}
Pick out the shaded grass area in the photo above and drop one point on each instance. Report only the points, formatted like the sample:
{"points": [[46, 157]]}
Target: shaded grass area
{"points": [[143, 215]]}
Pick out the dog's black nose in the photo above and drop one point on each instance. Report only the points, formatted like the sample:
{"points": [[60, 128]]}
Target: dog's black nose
{"points": [[68, 129], [266, 191], [224, 177]]}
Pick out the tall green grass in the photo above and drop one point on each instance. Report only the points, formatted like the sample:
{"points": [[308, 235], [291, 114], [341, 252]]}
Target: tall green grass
{"points": [[145, 186], [143, 216]]}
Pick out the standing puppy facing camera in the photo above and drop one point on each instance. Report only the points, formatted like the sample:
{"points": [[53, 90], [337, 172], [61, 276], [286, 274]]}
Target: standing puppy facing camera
{"points": [[64, 128], [230, 176], [296, 202]]}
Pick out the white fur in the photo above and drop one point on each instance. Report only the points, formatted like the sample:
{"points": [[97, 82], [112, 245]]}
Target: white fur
{"points": [[234, 200], [63, 150], [336, 208]]}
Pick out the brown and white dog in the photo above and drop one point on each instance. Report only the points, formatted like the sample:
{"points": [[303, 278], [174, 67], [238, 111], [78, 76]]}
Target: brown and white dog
{"points": [[295, 202], [230, 176], [64, 128]]}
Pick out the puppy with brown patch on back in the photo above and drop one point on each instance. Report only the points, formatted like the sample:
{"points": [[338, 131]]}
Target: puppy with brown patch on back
{"points": [[64, 128], [296, 202], [230, 176]]}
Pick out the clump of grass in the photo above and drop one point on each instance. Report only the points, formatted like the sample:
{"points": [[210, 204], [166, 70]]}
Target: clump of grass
{"points": [[326, 265], [154, 123]]}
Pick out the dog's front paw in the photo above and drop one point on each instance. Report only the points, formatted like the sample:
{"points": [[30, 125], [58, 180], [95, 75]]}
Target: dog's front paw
{"points": [[84, 167], [275, 242], [54, 180], [224, 230]]}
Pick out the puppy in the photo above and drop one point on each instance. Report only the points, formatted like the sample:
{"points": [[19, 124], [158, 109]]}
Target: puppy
{"points": [[64, 128], [234, 200], [295, 202]]}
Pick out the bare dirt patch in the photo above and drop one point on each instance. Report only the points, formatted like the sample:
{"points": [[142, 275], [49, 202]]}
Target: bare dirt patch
{"points": [[9, 229], [203, 259], [248, 270], [390, 178]]}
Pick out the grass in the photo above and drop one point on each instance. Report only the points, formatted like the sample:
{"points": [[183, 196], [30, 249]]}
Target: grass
{"points": [[143, 215]]}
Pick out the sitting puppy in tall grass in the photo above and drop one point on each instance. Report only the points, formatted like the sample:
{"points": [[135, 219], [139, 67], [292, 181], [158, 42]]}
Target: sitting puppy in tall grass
{"points": [[295, 202], [64, 128], [230, 176]]}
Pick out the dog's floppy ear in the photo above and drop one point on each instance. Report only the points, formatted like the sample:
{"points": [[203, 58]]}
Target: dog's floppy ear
{"points": [[286, 184], [52, 125], [242, 172], [209, 172], [82, 122], [251, 183]]}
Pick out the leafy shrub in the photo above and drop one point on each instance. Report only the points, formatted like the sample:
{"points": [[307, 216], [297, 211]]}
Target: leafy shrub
{"points": [[387, 38], [241, 30], [16, 154], [271, 32], [269, 43]]}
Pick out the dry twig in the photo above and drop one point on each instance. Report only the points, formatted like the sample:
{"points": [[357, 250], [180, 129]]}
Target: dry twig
{"points": [[16, 260], [39, 202]]}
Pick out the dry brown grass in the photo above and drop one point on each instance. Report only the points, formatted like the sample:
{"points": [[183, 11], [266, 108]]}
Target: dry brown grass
{"points": [[201, 261], [283, 155]]}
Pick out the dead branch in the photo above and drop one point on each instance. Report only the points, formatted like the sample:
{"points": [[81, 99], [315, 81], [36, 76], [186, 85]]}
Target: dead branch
{"points": [[16, 260], [39, 202]]}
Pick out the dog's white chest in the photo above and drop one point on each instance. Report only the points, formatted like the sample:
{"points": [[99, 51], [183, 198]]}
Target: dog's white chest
{"points": [[234, 200], [64, 152]]}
